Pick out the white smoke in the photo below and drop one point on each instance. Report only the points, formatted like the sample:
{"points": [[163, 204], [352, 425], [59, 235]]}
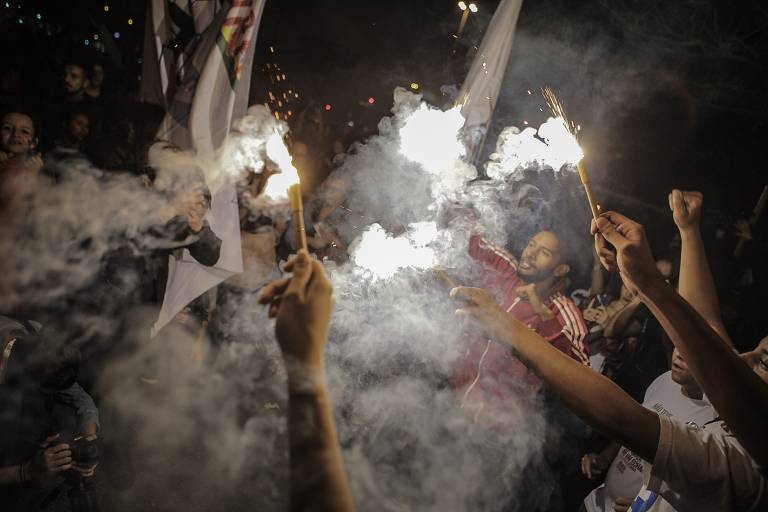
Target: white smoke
{"points": [[220, 429]]}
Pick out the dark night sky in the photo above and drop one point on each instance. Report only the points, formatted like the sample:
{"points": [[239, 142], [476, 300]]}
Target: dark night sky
{"points": [[351, 51], [658, 86]]}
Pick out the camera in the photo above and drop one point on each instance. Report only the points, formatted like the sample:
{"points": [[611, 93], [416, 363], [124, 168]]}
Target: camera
{"points": [[85, 452], [82, 493]]}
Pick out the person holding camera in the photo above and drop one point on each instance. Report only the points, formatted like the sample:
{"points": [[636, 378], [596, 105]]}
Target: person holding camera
{"points": [[34, 374]]}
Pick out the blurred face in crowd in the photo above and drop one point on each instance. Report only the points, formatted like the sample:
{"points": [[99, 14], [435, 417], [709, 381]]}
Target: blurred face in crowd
{"points": [[758, 359], [79, 127], [75, 80], [680, 372], [17, 134], [542, 258], [98, 75]]}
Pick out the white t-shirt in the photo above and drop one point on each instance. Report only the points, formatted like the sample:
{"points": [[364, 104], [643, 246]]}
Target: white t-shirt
{"points": [[701, 470], [625, 475]]}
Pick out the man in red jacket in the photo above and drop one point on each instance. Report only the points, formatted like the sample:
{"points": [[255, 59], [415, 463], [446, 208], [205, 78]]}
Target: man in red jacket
{"points": [[491, 384]]}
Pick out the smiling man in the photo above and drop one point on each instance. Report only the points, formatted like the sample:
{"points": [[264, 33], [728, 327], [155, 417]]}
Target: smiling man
{"points": [[492, 385]]}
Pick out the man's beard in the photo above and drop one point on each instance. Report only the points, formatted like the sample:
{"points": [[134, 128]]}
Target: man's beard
{"points": [[535, 278]]}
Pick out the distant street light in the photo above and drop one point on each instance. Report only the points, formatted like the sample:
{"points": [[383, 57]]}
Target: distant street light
{"points": [[467, 9]]}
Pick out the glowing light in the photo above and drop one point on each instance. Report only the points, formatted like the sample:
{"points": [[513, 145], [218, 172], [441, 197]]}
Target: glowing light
{"points": [[328, 107], [564, 136], [381, 256], [473, 7], [106, 8], [39, 16], [95, 37], [371, 101], [552, 144], [430, 137], [278, 184], [415, 86], [462, 6], [130, 21], [117, 35], [86, 42]]}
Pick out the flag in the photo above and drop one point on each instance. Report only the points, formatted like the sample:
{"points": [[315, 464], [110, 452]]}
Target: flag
{"points": [[480, 91], [172, 34], [211, 91]]}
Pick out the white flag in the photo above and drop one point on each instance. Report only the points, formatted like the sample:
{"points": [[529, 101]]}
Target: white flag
{"points": [[480, 91], [213, 91]]}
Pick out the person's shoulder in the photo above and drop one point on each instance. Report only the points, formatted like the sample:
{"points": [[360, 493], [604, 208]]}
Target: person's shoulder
{"points": [[663, 380]]}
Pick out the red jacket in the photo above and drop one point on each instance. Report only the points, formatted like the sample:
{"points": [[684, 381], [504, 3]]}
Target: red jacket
{"points": [[491, 384]]}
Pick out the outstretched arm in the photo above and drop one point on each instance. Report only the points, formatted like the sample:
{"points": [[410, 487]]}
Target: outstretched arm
{"points": [[696, 283], [302, 306], [596, 399], [737, 393]]}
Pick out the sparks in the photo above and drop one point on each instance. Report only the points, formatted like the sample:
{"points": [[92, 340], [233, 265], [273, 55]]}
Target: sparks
{"points": [[558, 110], [568, 140]]}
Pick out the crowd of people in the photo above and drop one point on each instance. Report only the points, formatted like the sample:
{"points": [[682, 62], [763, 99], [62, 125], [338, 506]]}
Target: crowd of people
{"points": [[642, 355]]}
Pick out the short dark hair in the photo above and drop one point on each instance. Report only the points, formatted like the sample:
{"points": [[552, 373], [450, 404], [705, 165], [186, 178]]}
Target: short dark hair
{"points": [[566, 252], [81, 63]]}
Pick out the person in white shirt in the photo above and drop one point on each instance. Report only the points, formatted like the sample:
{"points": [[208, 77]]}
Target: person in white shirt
{"points": [[674, 394], [704, 468]]}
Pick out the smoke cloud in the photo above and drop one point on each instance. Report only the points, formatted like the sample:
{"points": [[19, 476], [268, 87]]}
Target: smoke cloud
{"points": [[213, 436]]}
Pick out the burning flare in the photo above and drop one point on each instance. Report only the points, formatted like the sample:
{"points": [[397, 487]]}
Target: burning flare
{"points": [[557, 109], [278, 184], [430, 137], [381, 255]]}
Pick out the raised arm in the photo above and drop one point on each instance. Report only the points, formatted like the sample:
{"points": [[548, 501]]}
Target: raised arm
{"points": [[696, 285], [491, 254], [736, 392], [302, 306], [596, 399]]}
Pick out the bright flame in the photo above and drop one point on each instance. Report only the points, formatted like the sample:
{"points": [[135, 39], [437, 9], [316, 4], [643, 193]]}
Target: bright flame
{"points": [[382, 256], [552, 144], [278, 184], [561, 137], [561, 141], [430, 137]]}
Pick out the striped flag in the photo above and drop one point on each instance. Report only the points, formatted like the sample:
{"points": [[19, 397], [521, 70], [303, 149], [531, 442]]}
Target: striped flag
{"points": [[480, 91], [210, 89]]}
